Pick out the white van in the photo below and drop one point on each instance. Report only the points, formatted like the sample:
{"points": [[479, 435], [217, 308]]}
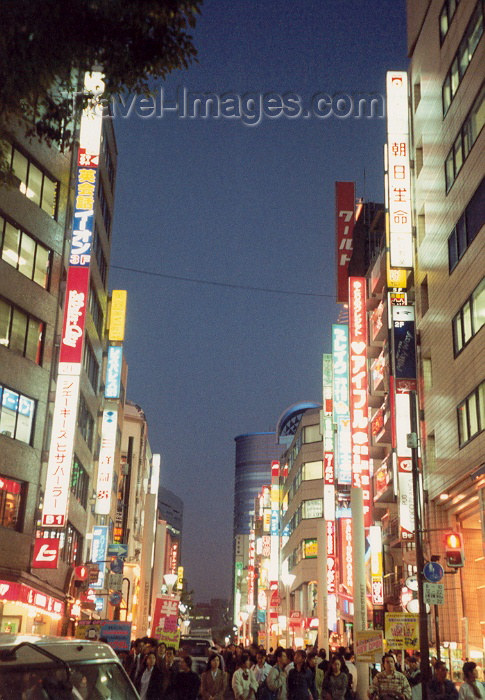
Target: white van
{"points": [[61, 668]]}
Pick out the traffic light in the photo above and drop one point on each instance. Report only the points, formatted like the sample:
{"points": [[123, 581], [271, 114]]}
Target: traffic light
{"points": [[454, 553]]}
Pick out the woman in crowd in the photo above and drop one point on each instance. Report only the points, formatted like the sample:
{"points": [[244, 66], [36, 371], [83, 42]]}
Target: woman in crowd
{"points": [[213, 680], [244, 683], [150, 681], [471, 688], [336, 681]]}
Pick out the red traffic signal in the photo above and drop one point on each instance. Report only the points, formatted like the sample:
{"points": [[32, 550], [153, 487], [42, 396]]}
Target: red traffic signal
{"points": [[454, 552], [81, 573]]}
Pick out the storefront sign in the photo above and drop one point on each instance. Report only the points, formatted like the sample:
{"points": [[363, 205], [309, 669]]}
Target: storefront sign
{"points": [[104, 484], [368, 645], [165, 620], [404, 342], [402, 630], [20, 593], [117, 634], [46, 553], [341, 404], [113, 372], [117, 315], [359, 385], [98, 552], [398, 170], [345, 220], [61, 450]]}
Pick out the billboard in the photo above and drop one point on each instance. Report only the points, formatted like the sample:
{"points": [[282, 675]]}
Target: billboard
{"points": [[345, 219], [398, 170], [104, 484], [359, 386], [113, 372], [340, 404], [61, 450]]}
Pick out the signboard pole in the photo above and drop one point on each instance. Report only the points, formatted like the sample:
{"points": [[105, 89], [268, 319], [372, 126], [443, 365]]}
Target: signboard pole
{"points": [[359, 582], [423, 620]]}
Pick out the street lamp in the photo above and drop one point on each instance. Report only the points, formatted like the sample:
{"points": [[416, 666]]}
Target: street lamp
{"points": [[170, 581], [250, 609], [244, 617], [288, 580]]}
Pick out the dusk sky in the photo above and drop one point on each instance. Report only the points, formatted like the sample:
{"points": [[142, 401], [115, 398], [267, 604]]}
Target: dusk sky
{"points": [[251, 207]]}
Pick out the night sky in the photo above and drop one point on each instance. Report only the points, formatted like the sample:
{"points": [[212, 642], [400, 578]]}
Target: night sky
{"points": [[250, 207]]}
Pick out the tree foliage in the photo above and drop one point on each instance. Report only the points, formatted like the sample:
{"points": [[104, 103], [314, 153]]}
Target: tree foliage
{"points": [[46, 45]]}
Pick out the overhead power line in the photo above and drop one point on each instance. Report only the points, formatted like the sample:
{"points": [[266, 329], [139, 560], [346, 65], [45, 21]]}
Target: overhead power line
{"points": [[222, 284]]}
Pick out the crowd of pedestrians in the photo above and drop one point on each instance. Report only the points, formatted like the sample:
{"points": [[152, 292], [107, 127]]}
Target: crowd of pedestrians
{"points": [[237, 673]]}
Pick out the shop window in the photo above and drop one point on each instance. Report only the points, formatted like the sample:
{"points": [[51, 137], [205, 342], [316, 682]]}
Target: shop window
{"points": [[16, 415], [34, 182], [311, 433], [463, 56], [21, 332], [24, 253], [467, 227], [10, 502], [471, 418], [79, 482], [312, 508], [469, 319], [312, 470], [465, 139]]}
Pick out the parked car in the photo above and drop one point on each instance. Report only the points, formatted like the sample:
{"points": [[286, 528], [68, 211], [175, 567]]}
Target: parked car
{"points": [[61, 667]]}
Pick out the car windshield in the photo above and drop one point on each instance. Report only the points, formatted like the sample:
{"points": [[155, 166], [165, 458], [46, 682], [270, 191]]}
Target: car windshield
{"points": [[195, 647], [99, 681]]}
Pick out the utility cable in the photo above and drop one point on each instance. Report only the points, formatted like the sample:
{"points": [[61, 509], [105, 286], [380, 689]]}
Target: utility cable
{"points": [[221, 284]]}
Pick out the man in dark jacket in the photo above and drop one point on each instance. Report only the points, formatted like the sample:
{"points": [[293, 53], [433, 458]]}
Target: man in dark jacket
{"points": [[187, 682], [301, 684]]}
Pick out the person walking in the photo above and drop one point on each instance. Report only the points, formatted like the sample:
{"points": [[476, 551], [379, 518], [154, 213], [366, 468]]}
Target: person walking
{"points": [[301, 685], [440, 688], [186, 683], [277, 680], [261, 670], [389, 681], [213, 681], [244, 683], [336, 682], [471, 688], [150, 681]]}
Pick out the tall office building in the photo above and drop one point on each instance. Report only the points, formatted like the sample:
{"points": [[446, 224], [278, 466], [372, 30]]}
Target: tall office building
{"points": [[447, 51], [254, 454], [36, 237]]}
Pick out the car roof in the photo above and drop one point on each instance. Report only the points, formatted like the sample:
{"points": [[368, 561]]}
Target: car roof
{"points": [[68, 649]]}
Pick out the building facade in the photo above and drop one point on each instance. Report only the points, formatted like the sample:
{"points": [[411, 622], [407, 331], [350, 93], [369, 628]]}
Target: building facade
{"points": [[447, 51]]}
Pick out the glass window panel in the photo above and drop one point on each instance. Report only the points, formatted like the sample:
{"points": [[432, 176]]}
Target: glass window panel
{"points": [[313, 508], [452, 251], [455, 77], [446, 94], [49, 196], [457, 334], [451, 8], [443, 22], [477, 117], [474, 212], [20, 165], [461, 236], [27, 254], [463, 58], [478, 307], [472, 414], [10, 250], [25, 419], [467, 322], [311, 433], [312, 470], [481, 405], [42, 262], [462, 423], [476, 32], [5, 314], [34, 186], [449, 170], [458, 149], [19, 330], [34, 340], [8, 413]]}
